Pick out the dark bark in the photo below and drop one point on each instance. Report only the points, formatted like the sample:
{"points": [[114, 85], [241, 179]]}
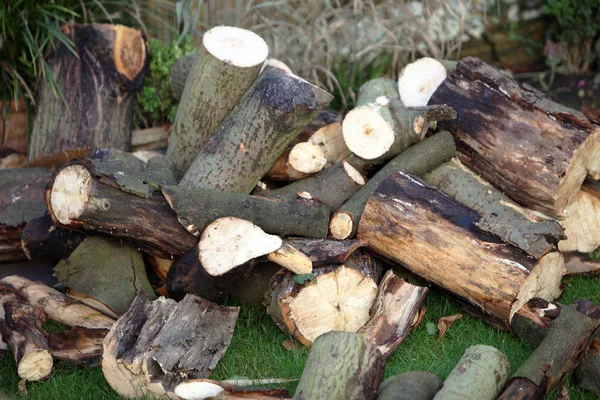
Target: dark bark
{"points": [[42, 239], [81, 346]]}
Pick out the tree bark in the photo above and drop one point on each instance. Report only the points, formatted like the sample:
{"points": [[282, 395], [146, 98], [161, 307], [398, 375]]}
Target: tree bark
{"points": [[98, 84], [43, 240], [500, 216], [358, 371], [180, 72], [412, 223], [238, 154], [549, 147], [418, 159], [324, 251], [479, 375], [81, 346], [411, 385], [582, 224]]}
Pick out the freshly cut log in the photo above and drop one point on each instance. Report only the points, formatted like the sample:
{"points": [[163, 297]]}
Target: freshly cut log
{"points": [[228, 62], [411, 385], [197, 207], [535, 151], [412, 223], [56, 305], [330, 138], [99, 81], [479, 375], [7, 295], [419, 80], [339, 300], [500, 215], [582, 224], [304, 159], [22, 330], [156, 345], [92, 269], [566, 340], [358, 371], [43, 240], [326, 252], [196, 389], [394, 312], [238, 154], [81, 346], [417, 159]]}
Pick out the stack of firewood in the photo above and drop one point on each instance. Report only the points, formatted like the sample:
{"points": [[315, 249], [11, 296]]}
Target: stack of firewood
{"points": [[454, 172]]}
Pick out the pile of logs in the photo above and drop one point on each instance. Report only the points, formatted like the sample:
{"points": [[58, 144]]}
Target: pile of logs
{"points": [[454, 172]]}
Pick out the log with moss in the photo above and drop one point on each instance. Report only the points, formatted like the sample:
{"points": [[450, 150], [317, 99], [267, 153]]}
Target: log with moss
{"points": [[99, 79], [411, 385], [535, 151], [239, 152]]}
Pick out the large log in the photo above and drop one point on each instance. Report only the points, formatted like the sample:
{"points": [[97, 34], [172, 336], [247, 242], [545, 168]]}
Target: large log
{"points": [[98, 83], [412, 223], [228, 62], [535, 151], [239, 153]]}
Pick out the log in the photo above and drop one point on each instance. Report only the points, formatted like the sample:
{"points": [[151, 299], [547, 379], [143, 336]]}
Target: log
{"points": [[92, 269], [43, 240], [56, 305], [98, 83], [156, 345], [196, 389], [577, 263], [419, 80], [418, 160], [330, 139], [197, 207], [304, 159], [160, 266], [228, 62], [500, 216], [237, 155], [149, 139], [587, 373], [411, 385], [291, 259], [22, 329], [582, 224], [394, 312], [479, 375], [412, 223], [324, 251], [358, 371], [80, 346], [535, 151]]}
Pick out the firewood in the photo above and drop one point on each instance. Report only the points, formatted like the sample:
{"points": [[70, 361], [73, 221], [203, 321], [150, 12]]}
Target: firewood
{"points": [[228, 62], [238, 154], [81, 346], [326, 252], [99, 84], [22, 330], [151, 138], [535, 151], [380, 127], [43, 240], [358, 371], [418, 81], [339, 300], [92, 269], [56, 305], [417, 159], [500, 215], [411, 385], [582, 224], [196, 389], [197, 207], [479, 375], [409, 221], [393, 313], [566, 340], [156, 345], [330, 139], [303, 160], [577, 263]]}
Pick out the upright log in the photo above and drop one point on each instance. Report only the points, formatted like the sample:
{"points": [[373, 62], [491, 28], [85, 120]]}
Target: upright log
{"points": [[535, 151], [98, 83]]}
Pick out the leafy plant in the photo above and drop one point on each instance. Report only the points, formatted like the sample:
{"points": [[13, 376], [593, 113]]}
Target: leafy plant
{"points": [[155, 103]]}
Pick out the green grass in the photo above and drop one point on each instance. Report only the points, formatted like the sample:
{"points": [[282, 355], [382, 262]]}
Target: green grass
{"points": [[256, 351]]}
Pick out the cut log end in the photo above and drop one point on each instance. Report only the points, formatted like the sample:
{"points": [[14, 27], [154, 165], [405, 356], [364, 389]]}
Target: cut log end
{"points": [[292, 259], [366, 133], [239, 47], [36, 365], [129, 51], [419, 80], [353, 173], [307, 158], [341, 225], [70, 193]]}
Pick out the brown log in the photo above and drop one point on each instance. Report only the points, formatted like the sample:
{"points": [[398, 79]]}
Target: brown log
{"points": [[577, 263], [324, 251], [534, 150], [81, 346], [42, 239], [412, 223], [98, 83], [411, 385]]}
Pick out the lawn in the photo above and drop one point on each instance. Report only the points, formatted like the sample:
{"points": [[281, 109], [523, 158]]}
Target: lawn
{"points": [[256, 351]]}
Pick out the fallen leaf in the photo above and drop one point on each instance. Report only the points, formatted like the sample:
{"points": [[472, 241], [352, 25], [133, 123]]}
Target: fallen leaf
{"points": [[446, 322], [563, 394]]}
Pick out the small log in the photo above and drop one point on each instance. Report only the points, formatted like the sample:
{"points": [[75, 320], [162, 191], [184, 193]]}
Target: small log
{"points": [[56, 305], [156, 345], [479, 375], [577, 263], [582, 224], [98, 82], [197, 207], [411, 385], [238, 155], [393, 313], [160, 266], [196, 389], [228, 62], [358, 371], [91, 302], [330, 138], [149, 139], [22, 329], [535, 151], [304, 159], [291, 259], [500, 215], [326, 252], [92, 269], [419, 80], [180, 72], [417, 159], [43, 240], [412, 223], [80, 346]]}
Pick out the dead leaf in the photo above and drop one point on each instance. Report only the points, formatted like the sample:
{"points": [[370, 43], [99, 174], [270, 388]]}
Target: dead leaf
{"points": [[446, 322], [563, 394], [289, 344]]}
